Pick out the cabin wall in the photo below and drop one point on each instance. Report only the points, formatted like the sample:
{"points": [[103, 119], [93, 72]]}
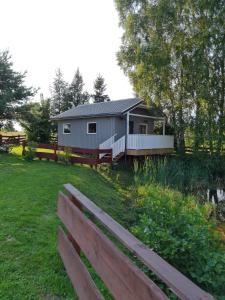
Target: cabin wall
{"points": [[139, 120], [106, 127], [79, 136], [120, 127]]}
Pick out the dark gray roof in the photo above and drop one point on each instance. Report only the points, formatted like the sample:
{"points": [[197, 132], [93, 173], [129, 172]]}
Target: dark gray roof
{"points": [[99, 109]]}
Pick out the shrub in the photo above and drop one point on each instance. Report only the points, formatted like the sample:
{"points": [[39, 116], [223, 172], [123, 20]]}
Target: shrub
{"points": [[178, 230], [64, 155], [30, 151], [6, 148]]}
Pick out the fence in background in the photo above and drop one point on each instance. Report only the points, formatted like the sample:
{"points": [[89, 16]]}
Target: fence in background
{"points": [[90, 157], [204, 150], [12, 139], [121, 276]]}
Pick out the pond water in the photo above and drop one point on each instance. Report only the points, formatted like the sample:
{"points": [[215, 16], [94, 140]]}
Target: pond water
{"points": [[216, 195]]}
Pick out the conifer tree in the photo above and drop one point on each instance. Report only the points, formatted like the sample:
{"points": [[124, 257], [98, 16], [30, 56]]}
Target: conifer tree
{"points": [[99, 90], [76, 95], [59, 91]]}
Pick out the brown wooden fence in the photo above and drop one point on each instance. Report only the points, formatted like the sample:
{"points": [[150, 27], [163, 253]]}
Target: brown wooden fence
{"points": [[12, 139], [86, 156], [202, 150], [122, 277]]}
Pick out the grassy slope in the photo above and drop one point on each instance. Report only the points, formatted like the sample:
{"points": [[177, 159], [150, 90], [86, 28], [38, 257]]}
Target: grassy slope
{"points": [[30, 267]]}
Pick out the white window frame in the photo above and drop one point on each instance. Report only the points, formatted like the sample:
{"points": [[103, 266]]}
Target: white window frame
{"points": [[88, 127], [64, 124], [146, 127]]}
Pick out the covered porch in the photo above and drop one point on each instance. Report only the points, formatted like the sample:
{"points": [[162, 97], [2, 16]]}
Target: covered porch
{"points": [[141, 138]]}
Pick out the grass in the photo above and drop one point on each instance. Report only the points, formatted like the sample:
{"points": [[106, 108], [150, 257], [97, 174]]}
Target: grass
{"points": [[30, 267]]}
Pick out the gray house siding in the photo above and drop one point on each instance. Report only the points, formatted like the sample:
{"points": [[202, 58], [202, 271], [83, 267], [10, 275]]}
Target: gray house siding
{"points": [[106, 127], [120, 127], [139, 120], [79, 136]]}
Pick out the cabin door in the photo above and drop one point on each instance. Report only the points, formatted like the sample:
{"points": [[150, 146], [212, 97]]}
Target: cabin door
{"points": [[143, 128], [131, 127]]}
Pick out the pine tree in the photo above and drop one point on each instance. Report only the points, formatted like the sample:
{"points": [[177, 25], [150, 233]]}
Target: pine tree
{"points": [[76, 95], [13, 92], [35, 119], [59, 94], [99, 90]]}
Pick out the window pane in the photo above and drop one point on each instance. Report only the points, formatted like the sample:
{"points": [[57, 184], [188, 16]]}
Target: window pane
{"points": [[92, 128], [67, 128]]}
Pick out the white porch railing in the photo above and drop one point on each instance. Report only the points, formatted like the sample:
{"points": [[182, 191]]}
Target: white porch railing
{"points": [[118, 147], [107, 144], [149, 141]]}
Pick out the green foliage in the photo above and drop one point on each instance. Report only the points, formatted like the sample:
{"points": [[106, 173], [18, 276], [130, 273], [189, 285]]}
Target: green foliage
{"points": [[8, 126], [6, 148], [13, 92], [59, 91], [30, 151], [35, 119], [178, 229], [99, 90], [173, 53], [76, 95], [65, 155], [190, 174]]}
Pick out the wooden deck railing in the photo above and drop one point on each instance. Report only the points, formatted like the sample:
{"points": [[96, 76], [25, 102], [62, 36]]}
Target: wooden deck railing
{"points": [[124, 280], [12, 139], [86, 156]]}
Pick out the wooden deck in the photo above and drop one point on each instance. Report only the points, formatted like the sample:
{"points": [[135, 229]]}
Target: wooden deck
{"points": [[146, 152]]}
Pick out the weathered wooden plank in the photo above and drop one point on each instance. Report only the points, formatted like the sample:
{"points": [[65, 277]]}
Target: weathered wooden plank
{"points": [[84, 160], [121, 276], [183, 287], [76, 270], [47, 146], [45, 155]]}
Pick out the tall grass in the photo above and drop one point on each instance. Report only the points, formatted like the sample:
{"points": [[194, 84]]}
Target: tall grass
{"points": [[189, 174]]}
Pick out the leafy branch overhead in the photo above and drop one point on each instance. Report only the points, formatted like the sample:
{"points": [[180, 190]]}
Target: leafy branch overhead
{"points": [[174, 55]]}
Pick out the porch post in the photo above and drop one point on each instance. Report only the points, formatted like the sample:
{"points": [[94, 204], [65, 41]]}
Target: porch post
{"points": [[127, 130], [164, 126]]}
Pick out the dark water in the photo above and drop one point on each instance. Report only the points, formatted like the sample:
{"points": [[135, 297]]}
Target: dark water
{"points": [[216, 195]]}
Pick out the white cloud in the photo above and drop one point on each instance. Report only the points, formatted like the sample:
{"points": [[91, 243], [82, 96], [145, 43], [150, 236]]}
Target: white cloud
{"points": [[43, 35]]}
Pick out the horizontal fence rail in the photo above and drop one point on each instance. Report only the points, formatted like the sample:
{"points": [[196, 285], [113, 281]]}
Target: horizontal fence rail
{"points": [[12, 139], [123, 279], [90, 157], [203, 150], [121, 276]]}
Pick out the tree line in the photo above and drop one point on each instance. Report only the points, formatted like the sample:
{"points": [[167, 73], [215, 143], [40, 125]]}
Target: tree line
{"points": [[34, 117], [66, 95], [174, 55]]}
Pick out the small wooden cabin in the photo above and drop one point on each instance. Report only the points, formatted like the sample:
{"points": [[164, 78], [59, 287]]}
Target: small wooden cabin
{"points": [[126, 126]]}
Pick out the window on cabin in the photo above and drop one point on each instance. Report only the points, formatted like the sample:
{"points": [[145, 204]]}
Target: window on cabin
{"points": [[91, 128], [67, 128]]}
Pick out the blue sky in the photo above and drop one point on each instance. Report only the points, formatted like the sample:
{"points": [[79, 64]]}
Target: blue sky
{"points": [[43, 35]]}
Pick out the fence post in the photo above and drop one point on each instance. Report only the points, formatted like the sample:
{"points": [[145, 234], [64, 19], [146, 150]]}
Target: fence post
{"points": [[24, 150], [55, 153]]}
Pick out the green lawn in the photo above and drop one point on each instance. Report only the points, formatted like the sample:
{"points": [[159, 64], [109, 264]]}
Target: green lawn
{"points": [[30, 267]]}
